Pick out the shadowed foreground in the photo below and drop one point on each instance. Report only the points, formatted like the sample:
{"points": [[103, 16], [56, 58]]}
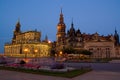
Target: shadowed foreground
{"points": [[93, 75]]}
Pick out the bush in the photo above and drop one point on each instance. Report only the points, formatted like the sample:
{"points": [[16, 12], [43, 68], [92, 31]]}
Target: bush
{"points": [[3, 62], [57, 66], [22, 62]]}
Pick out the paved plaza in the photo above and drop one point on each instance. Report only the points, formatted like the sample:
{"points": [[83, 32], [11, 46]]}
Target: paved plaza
{"points": [[101, 71], [93, 75]]}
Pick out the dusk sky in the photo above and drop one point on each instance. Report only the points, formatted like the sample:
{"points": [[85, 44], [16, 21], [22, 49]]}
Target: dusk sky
{"points": [[89, 16]]}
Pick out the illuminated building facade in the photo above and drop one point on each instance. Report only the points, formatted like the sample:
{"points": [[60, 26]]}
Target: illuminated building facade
{"points": [[61, 32], [100, 46], [30, 43], [27, 44]]}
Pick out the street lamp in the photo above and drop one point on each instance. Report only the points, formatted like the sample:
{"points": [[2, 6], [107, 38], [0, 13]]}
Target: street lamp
{"points": [[35, 52], [49, 42], [60, 53], [60, 56], [25, 50]]}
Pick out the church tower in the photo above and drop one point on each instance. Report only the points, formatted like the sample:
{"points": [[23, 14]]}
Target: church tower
{"points": [[116, 37], [61, 30], [17, 31]]}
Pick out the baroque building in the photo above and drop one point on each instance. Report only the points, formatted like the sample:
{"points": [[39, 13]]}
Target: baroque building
{"points": [[27, 44], [101, 46]]}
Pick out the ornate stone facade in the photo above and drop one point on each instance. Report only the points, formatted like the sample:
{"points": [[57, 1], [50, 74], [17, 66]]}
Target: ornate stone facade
{"points": [[27, 44], [100, 46], [61, 32]]}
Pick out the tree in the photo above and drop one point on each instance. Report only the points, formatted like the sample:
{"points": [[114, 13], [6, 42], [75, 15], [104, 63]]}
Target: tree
{"points": [[22, 62], [86, 52], [52, 53], [83, 52], [69, 50]]}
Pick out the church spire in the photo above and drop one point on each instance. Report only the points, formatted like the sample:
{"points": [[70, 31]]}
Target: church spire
{"points": [[17, 29], [46, 38], [72, 25], [61, 19], [115, 31], [72, 30], [61, 10], [116, 36], [61, 28]]}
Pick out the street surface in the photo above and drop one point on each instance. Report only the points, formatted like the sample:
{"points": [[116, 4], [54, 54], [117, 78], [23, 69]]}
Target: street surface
{"points": [[101, 71], [114, 67]]}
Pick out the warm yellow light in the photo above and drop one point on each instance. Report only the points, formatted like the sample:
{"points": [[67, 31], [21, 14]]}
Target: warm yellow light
{"points": [[60, 52], [26, 60], [49, 41], [36, 50], [55, 55], [25, 49], [33, 55]]}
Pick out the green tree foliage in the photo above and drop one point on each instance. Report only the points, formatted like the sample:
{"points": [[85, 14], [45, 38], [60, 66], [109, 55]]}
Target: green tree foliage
{"points": [[85, 52], [52, 54], [22, 62], [69, 50]]}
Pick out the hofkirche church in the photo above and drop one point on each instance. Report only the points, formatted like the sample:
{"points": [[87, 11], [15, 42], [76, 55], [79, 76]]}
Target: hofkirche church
{"points": [[29, 42]]}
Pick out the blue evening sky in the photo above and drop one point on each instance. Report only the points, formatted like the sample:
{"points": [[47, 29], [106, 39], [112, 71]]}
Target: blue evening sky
{"points": [[89, 16]]}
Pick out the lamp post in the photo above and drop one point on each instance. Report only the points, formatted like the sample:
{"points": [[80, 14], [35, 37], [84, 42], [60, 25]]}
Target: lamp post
{"points": [[25, 50], [36, 53], [60, 54]]}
